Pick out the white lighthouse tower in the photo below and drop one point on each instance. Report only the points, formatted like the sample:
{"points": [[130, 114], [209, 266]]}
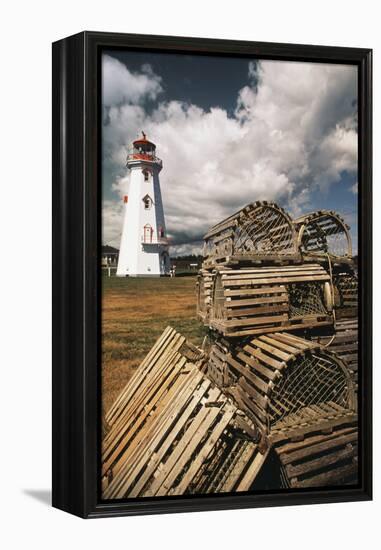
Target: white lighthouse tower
{"points": [[144, 244]]}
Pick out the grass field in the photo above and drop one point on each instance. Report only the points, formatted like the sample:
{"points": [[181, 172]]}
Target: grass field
{"points": [[135, 311]]}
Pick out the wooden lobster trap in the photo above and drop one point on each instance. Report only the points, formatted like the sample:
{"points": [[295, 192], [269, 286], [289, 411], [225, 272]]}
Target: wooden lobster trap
{"points": [[345, 284], [243, 302], [320, 460], [233, 467], [324, 233], [343, 341], [261, 231], [345, 345], [173, 432], [204, 291], [287, 385]]}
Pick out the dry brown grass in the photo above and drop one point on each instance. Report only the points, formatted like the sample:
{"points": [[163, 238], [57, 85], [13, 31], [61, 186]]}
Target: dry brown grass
{"points": [[134, 314]]}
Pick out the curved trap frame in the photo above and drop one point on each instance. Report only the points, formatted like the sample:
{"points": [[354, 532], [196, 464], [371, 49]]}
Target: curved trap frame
{"points": [[324, 233], [344, 343], [259, 231], [310, 380], [287, 385]]}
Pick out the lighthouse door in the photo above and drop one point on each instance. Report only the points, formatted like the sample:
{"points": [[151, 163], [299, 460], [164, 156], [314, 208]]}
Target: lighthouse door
{"points": [[147, 235]]}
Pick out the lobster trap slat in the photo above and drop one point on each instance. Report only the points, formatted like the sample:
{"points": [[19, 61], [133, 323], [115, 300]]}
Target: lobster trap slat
{"points": [[345, 293], [255, 301], [193, 421], [174, 430], [204, 289], [321, 459]]}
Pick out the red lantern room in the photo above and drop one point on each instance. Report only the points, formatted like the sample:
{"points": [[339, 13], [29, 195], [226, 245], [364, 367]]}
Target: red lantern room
{"points": [[143, 149]]}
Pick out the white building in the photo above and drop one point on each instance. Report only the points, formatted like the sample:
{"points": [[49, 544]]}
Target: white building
{"points": [[109, 256], [144, 245]]}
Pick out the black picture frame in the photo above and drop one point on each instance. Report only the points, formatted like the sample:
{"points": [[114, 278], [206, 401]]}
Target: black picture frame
{"points": [[76, 281]]}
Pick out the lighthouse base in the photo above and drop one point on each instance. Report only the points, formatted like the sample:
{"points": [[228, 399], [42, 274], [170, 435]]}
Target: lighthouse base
{"points": [[148, 262], [142, 276]]}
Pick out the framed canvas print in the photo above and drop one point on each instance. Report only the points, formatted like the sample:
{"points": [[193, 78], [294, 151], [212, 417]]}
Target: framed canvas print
{"points": [[212, 274]]}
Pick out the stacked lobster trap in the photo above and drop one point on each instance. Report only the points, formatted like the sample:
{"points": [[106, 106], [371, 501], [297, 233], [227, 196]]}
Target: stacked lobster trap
{"points": [[271, 399], [280, 299]]}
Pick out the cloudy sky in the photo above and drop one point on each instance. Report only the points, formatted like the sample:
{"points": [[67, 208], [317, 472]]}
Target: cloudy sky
{"points": [[229, 132]]}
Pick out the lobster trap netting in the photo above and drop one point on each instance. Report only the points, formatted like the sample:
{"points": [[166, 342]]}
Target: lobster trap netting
{"points": [[346, 285], [312, 380], [324, 233], [266, 230], [307, 299]]}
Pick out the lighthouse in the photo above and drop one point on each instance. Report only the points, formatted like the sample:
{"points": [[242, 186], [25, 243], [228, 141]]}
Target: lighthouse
{"points": [[144, 243]]}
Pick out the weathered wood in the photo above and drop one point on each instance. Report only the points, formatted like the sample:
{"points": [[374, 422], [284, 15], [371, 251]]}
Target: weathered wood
{"points": [[140, 454], [346, 293], [193, 421], [139, 375], [255, 291], [284, 383], [344, 475], [320, 423], [204, 290], [206, 449], [344, 343], [278, 278], [259, 231], [322, 234], [317, 448], [252, 471], [312, 439], [156, 457], [173, 430], [256, 301], [253, 302], [319, 460]]}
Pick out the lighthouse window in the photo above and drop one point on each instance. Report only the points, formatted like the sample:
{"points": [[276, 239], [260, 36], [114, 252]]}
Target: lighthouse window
{"points": [[146, 175], [147, 202]]}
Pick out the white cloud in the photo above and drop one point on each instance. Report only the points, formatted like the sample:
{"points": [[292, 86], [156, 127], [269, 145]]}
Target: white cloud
{"points": [[294, 130], [119, 85], [355, 188]]}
